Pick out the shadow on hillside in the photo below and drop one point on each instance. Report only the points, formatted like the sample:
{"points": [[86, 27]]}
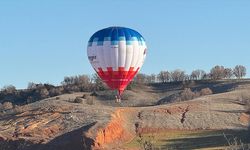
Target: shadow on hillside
{"points": [[174, 88], [217, 139], [229, 111], [215, 86], [166, 87], [168, 99], [76, 140]]}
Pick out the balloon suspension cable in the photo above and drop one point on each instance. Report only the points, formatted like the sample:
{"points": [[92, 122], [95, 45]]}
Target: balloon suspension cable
{"points": [[119, 93], [118, 97]]}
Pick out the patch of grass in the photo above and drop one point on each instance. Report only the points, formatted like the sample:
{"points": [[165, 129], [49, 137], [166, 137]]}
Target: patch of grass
{"points": [[185, 140]]}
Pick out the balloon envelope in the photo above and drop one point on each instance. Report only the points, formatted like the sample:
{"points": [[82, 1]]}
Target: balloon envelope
{"points": [[116, 54]]}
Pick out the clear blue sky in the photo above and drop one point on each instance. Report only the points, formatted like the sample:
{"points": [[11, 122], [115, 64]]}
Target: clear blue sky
{"points": [[45, 40]]}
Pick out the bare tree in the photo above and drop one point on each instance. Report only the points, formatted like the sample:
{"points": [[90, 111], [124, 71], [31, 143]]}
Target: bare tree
{"points": [[202, 74], [228, 72], [84, 82], [98, 84], [164, 76], [177, 75], [239, 71], [9, 89], [56, 91], [68, 80], [31, 85], [186, 77], [83, 79], [197, 74], [217, 72], [140, 78], [151, 78], [78, 83], [43, 92], [206, 76], [7, 105]]}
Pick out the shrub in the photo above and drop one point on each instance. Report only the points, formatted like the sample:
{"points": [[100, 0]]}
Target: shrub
{"points": [[55, 91], [99, 85], [217, 72], [78, 100], [84, 96], [90, 101], [7, 105], [125, 96], [94, 94], [42, 93], [107, 94], [9, 89], [206, 91], [187, 94], [30, 99], [239, 71], [244, 100]]}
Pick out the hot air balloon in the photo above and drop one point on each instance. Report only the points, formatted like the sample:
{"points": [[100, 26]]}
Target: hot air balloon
{"points": [[116, 54]]}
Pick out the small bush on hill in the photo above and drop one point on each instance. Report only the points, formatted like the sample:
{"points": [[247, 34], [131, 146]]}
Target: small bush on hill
{"points": [[107, 94], [94, 94], [56, 91], [90, 101], [9, 89], [78, 100], [7, 105], [206, 91], [244, 100], [84, 96], [187, 94]]}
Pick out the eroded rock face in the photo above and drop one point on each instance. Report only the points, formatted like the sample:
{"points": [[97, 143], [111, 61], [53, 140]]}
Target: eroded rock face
{"points": [[115, 131]]}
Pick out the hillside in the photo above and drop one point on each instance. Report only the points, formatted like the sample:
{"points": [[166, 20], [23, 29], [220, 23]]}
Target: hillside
{"points": [[97, 122]]}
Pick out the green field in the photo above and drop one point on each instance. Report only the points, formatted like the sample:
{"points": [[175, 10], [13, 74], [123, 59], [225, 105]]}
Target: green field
{"points": [[187, 140]]}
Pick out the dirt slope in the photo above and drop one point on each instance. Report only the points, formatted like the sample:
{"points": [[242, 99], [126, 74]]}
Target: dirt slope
{"points": [[58, 123]]}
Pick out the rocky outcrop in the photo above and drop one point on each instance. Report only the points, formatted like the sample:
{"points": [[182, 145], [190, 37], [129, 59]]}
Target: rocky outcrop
{"points": [[115, 131]]}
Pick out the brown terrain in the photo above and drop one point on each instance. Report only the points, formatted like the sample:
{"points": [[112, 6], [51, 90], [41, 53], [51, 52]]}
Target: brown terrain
{"points": [[60, 123]]}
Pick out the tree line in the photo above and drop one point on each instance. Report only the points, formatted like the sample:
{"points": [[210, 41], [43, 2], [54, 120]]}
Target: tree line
{"points": [[86, 83], [216, 73]]}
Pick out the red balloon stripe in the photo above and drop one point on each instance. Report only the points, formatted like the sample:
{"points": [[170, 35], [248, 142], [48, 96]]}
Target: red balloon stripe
{"points": [[117, 79]]}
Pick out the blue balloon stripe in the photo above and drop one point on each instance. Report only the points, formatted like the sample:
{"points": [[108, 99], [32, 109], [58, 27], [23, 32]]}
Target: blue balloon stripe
{"points": [[128, 42], [116, 34], [115, 42]]}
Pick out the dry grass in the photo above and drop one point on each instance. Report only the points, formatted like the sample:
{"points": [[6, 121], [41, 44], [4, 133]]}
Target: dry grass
{"points": [[199, 139], [236, 144]]}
